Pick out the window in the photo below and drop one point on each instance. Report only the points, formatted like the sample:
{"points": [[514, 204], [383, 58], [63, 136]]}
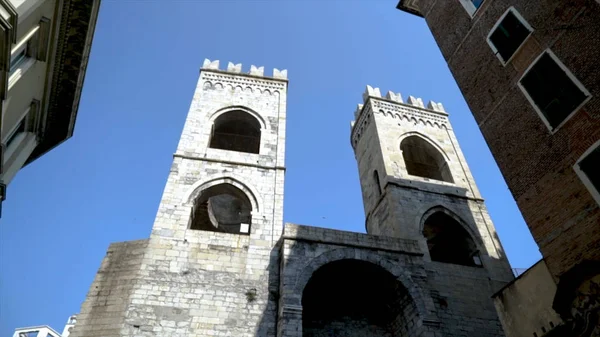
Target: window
{"points": [[588, 170], [552, 90], [222, 208], [377, 183], [508, 35], [29, 334], [18, 56], [477, 3], [449, 242], [24, 49], [423, 160], [236, 131], [17, 131], [471, 5]]}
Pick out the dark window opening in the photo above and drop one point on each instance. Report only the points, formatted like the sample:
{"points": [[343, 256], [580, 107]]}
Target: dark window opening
{"points": [[236, 131], [222, 208], [477, 3], [356, 298], [590, 165], [19, 56], [552, 91], [424, 160], [376, 182], [449, 242], [509, 35], [20, 129]]}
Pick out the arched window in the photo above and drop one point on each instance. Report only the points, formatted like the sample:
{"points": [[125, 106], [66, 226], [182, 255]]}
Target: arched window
{"points": [[376, 182], [424, 160], [449, 242], [236, 131], [222, 208]]}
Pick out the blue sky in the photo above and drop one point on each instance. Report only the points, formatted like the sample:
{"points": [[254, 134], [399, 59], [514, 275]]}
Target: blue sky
{"points": [[104, 184]]}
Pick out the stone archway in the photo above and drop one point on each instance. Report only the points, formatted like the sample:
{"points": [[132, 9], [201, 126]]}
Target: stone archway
{"points": [[421, 306], [352, 298]]}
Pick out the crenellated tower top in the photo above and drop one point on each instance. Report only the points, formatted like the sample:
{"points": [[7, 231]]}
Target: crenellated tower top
{"points": [[394, 106], [237, 69]]}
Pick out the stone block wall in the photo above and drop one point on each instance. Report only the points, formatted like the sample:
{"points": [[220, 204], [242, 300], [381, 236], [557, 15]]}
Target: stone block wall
{"points": [[448, 300], [382, 123], [103, 312], [207, 283]]}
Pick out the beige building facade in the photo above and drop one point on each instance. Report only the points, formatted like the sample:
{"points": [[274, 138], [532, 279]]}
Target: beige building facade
{"points": [[44, 50], [525, 305]]}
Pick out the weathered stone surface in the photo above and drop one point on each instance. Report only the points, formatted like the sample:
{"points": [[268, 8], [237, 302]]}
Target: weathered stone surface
{"points": [[304, 281]]}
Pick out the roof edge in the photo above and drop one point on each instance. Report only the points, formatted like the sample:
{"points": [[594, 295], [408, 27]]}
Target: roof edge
{"points": [[410, 7]]}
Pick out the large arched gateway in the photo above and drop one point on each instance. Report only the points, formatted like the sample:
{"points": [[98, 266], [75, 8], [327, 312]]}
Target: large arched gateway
{"points": [[351, 297]]}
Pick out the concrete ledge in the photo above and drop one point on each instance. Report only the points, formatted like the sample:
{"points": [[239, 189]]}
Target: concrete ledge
{"points": [[350, 239]]}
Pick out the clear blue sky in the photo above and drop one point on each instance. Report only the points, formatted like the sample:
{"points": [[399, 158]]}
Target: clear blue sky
{"points": [[105, 183]]}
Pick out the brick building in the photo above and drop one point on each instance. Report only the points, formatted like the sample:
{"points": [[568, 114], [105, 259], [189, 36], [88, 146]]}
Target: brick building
{"points": [[220, 262], [529, 73]]}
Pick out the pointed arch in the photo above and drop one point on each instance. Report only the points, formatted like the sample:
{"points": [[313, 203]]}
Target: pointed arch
{"points": [[424, 158], [212, 117], [222, 208], [196, 189], [449, 238], [423, 304], [236, 130]]}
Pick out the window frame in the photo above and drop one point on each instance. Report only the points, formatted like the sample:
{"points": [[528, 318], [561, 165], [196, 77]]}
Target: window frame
{"points": [[35, 46], [30, 120], [24, 121], [469, 6], [27, 44], [570, 75], [497, 24], [24, 50], [583, 176]]}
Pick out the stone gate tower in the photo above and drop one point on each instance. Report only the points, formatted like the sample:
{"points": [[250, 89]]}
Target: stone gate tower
{"points": [[209, 267], [220, 263], [416, 185]]}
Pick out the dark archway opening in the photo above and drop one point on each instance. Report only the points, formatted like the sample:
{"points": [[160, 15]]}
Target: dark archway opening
{"points": [[236, 131], [449, 242], [222, 208], [352, 298], [424, 160]]}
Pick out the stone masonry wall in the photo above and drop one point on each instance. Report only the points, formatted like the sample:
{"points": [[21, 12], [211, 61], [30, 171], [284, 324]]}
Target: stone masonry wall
{"points": [[382, 124], [204, 283], [219, 284], [103, 312], [406, 201], [450, 300]]}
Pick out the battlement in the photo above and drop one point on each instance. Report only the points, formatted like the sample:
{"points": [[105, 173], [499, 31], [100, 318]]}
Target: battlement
{"points": [[397, 98], [392, 105], [237, 69]]}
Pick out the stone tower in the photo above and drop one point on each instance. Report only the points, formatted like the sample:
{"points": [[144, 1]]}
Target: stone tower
{"points": [[209, 267], [416, 185], [219, 262]]}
